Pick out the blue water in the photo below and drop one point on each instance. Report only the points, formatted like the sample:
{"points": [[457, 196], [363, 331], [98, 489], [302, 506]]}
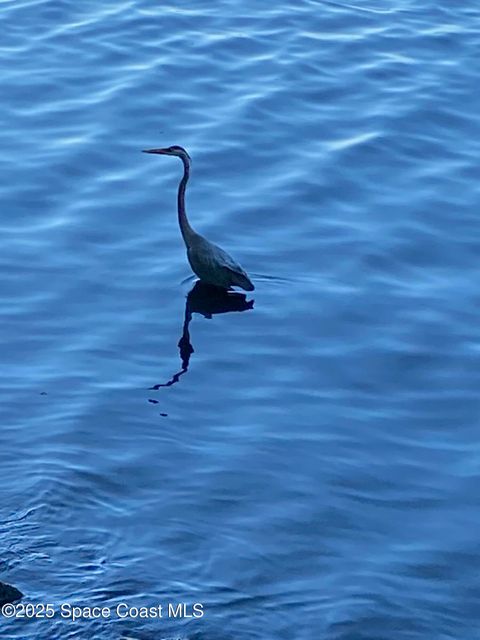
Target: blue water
{"points": [[313, 473]]}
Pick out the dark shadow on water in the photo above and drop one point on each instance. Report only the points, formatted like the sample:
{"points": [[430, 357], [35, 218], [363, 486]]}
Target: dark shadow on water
{"points": [[9, 594], [208, 301]]}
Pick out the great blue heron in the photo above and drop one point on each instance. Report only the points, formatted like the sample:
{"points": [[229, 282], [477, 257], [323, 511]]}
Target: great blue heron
{"points": [[211, 264]]}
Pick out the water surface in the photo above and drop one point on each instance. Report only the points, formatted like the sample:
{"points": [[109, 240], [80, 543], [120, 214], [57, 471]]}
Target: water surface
{"points": [[314, 473]]}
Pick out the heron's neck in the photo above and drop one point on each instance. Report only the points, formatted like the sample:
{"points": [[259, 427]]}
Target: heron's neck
{"points": [[185, 228]]}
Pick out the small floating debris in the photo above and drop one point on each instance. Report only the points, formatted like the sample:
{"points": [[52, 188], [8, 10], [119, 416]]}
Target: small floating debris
{"points": [[9, 594]]}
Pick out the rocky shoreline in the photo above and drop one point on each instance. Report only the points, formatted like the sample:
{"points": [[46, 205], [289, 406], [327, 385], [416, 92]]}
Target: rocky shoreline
{"points": [[9, 594]]}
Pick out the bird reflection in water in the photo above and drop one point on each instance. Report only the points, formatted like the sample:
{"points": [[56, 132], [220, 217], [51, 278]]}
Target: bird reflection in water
{"points": [[207, 300]]}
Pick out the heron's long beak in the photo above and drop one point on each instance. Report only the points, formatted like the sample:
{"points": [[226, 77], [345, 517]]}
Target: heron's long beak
{"points": [[162, 151]]}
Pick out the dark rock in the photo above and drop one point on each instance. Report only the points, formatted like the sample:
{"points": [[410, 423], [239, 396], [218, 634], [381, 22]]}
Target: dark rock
{"points": [[9, 594]]}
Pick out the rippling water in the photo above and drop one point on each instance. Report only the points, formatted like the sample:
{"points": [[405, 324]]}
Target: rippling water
{"points": [[314, 472]]}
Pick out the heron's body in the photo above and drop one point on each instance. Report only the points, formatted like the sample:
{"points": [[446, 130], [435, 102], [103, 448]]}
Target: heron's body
{"points": [[209, 262], [214, 266]]}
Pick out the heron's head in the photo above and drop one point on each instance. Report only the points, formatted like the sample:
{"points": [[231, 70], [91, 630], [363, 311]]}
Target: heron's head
{"points": [[170, 151]]}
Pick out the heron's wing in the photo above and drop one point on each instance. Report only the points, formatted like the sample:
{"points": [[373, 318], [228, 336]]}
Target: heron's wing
{"points": [[228, 262], [234, 273], [237, 271]]}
